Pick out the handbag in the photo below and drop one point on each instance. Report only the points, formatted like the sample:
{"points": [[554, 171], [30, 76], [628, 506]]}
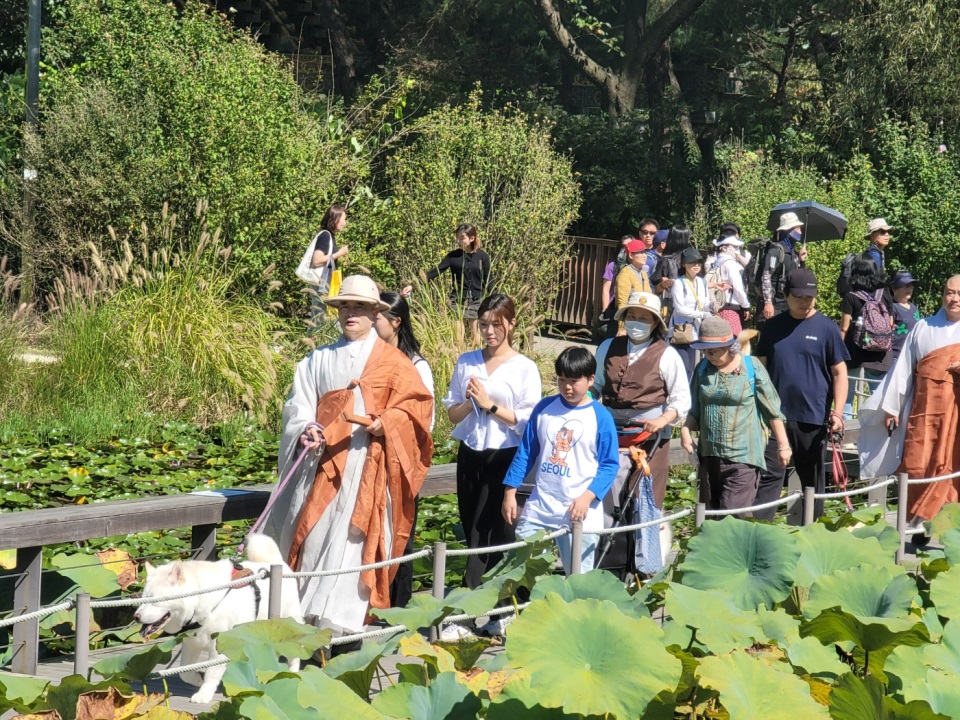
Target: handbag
{"points": [[648, 556], [336, 280], [305, 270]]}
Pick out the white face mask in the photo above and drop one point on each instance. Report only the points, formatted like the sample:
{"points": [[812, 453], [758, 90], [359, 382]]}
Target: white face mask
{"points": [[637, 331]]}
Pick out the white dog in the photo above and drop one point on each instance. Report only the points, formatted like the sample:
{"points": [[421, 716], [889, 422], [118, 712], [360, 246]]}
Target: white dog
{"points": [[213, 612]]}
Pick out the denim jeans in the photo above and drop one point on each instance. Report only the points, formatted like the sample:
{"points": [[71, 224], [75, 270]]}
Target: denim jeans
{"points": [[853, 380], [526, 528]]}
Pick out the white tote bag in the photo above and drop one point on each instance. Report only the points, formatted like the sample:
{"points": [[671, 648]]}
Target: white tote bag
{"points": [[312, 275]]}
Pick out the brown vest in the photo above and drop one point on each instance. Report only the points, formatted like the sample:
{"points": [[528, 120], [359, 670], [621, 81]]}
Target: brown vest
{"points": [[637, 386]]}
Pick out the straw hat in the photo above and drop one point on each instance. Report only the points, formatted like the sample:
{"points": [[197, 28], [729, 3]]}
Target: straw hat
{"points": [[789, 221], [357, 288], [644, 301], [877, 224]]}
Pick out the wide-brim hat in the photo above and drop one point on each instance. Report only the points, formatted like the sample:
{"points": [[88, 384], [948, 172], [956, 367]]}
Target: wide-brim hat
{"points": [[789, 221], [715, 332], [877, 224], [357, 288], [728, 240], [644, 301]]}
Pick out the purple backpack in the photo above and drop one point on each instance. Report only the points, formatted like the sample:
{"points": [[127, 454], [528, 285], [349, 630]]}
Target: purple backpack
{"points": [[873, 331]]}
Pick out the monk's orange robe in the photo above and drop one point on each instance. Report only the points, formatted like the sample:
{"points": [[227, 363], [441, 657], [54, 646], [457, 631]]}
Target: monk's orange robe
{"points": [[392, 391], [932, 445]]}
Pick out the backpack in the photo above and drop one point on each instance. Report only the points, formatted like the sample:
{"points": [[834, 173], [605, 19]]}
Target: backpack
{"points": [[872, 331], [844, 279], [759, 253], [717, 296]]}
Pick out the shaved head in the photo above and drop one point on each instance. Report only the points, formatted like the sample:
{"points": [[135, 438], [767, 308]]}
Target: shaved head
{"points": [[951, 298]]}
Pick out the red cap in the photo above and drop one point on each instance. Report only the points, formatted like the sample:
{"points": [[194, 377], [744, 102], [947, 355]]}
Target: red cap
{"points": [[635, 246]]}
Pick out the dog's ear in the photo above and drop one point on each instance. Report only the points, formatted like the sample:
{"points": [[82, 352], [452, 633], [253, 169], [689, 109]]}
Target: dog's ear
{"points": [[176, 573]]}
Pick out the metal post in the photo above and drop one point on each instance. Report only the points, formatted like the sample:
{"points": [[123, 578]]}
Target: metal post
{"points": [[26, 598], [81, 654], [203, 540], [808, 505], [439, 574], [576, 547], [902, 489], [276, 591], [28, 250], [701, 514]]}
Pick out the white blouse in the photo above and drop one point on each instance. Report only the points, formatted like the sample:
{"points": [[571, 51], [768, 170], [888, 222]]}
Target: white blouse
{"points": [[690, 301], [514, 385]]}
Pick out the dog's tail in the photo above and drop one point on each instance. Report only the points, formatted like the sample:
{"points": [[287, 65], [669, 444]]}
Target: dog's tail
{"points": [[262, 549]]}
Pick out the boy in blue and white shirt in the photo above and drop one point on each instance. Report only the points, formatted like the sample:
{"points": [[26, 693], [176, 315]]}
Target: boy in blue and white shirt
{"points": [[572, 440]]}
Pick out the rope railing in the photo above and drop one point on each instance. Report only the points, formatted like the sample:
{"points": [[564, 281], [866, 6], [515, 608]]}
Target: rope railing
{"points": [[138, 601], [37, 614], [855, 491], [650, 523], [463, 552], [426, 552], [786, 499], [939, 478]]}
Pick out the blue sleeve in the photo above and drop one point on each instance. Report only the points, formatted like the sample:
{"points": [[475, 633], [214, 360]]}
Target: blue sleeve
{"points": [[838, 352], [529, 449], [608, 452]]}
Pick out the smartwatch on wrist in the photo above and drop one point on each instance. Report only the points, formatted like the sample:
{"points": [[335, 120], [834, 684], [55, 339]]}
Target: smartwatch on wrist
{"points": [[492, 410]]}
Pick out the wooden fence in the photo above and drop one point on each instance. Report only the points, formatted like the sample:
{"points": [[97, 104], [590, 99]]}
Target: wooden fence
{"points": [[578, 302]]}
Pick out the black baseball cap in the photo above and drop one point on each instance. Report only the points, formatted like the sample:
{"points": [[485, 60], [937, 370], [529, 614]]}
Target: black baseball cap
{"points": [[801, 283]]}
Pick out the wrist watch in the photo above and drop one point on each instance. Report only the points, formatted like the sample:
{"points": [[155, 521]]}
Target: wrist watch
{"points": [[492, 410]]}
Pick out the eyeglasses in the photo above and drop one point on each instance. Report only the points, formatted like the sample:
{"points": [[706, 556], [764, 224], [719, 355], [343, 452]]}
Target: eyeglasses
{"points": [[647, 232]]}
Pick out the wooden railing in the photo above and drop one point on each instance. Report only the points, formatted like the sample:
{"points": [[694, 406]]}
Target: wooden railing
{"points": [[578, 302]]}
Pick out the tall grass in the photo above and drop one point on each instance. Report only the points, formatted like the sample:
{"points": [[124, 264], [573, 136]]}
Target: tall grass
{"points": [[14, 330], [158, 333]]}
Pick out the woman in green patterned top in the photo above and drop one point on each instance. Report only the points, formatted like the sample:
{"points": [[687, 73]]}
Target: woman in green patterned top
{"points": [[732, 398]]}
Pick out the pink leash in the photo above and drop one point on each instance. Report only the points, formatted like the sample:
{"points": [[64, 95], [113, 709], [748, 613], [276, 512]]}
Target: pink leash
{"points": [[280, 485]]}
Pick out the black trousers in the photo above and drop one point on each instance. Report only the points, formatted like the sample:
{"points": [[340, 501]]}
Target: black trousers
{"points": [[480, 476], [807, 442], [726, 485], [401, 589]]}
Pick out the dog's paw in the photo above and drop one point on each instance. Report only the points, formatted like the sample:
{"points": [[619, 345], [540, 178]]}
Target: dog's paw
{"points": [[203, 696], [192, 678]]}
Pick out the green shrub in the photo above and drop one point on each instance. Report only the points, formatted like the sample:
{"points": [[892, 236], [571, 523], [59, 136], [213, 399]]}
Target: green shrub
{"points": [[493, 169], [13, 331], [145, 103]]}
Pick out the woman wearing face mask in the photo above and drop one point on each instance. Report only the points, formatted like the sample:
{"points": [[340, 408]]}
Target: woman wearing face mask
{"points": [[691, 305], [642, 381]]}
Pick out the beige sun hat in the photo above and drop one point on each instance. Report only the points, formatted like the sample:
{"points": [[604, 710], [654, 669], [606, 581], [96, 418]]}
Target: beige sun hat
{"points": [[357, 288], [877, 224], [789, 221], [644, 301]]}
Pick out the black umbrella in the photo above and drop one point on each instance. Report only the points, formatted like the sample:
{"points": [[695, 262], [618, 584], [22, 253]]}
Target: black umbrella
{"points": [[819, 221]]}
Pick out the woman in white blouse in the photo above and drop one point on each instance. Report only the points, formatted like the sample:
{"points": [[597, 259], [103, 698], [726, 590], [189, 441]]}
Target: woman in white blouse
{"points": [[736, 307], [690, 306], [492, 393]]}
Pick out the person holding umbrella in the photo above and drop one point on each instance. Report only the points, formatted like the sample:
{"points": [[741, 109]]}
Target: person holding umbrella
{"points": [[782, 257]]}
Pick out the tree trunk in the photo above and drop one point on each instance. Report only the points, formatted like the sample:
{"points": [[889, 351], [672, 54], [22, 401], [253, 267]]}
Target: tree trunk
{"points": [[341, 46]]}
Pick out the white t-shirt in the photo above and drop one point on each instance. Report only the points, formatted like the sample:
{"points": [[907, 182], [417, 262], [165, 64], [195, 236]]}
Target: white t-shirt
{"points": [[573, 449], [514, 385]]}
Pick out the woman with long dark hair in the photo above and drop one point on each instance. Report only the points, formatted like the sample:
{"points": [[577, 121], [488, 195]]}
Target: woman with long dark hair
{"points": [[394, 327], [326, 254], [492, 393], [470, 276]]}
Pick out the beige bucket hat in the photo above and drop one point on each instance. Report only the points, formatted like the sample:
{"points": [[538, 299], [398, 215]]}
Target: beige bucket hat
{"points": [[645, 301], [357, 288]]}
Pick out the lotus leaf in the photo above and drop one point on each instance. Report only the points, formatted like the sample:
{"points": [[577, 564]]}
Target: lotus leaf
{"points": [[444, 699], [519, 701], [873, 640], [884, 532], [84, 571], [437, 659], [903, 666], [951, 546], [284, 636], [587, 657], [293, 699], [751, 690], [872, 594], [111, 703], [20, 691], [64, 696], [250, 677], [330, 699], [932, 621], [823, 552], [778, 626], [945, 655], [422, 611], [754, 562], [596, 584], [474, 602], [854, 698], [356, 669], [721, 626], [466, 651], [945, 593], [137, 665], [947, 519], [814, 659], [939, 689]]}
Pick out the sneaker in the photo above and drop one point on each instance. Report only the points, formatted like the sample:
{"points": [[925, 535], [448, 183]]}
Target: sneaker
{"points": [[497, 627], [455, 633]]}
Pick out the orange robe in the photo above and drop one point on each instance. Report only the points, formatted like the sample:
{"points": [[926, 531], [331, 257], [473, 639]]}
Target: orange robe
{"points": [[932, 445], [398, 461]]}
